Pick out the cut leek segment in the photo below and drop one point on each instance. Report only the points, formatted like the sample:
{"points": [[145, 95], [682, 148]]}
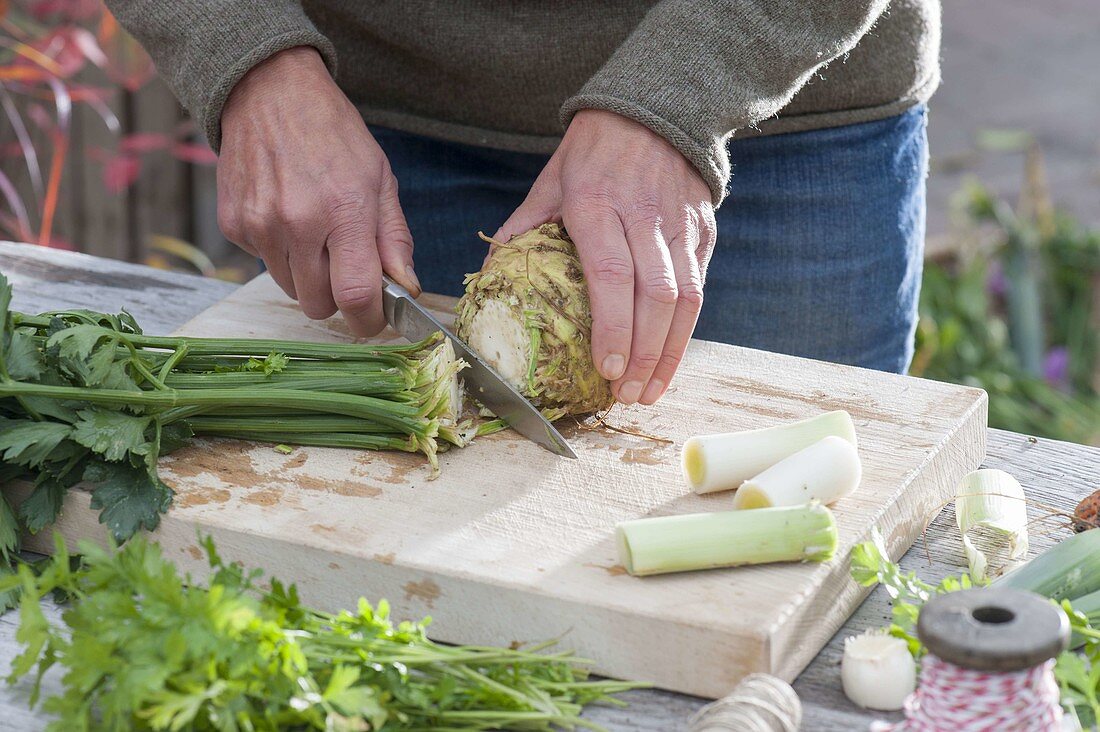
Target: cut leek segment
{"points": [[805, 533], [994, 501], [722, 462], [826, 471]]}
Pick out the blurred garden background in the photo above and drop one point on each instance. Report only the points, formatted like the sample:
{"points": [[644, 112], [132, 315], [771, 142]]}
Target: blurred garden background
{"points": [[96, 156]]}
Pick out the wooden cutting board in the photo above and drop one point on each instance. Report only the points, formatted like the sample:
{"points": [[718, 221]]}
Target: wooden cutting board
{"points": [[512, 543]]}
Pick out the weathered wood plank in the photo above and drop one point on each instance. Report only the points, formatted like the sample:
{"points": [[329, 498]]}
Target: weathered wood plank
{"points": [[1053, 473], [51, 279]]}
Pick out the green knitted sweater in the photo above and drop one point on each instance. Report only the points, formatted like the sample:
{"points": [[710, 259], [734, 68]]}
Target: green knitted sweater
{"points": [[510, 74]]}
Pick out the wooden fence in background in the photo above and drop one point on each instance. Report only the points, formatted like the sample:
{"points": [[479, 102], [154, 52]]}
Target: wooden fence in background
{"points": [[169, 197]]}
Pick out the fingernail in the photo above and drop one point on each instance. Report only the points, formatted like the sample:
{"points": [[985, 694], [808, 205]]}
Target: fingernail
{"points": [[412, 278], [614, 366], [630, 391], [653, 391]]}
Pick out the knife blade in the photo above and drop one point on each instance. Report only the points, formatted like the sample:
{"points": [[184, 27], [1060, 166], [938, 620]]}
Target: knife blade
{"points": [[414, 322]]}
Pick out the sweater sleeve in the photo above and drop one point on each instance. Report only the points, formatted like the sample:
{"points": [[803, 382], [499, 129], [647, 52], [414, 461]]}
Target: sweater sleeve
{"points": [[694, 71], [202, 48]]}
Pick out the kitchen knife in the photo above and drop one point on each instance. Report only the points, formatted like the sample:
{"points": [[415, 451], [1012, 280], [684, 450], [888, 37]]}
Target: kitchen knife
{"points": [[415, 323]]}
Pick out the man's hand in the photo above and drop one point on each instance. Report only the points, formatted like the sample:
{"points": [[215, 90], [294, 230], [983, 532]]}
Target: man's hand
{"points": [[302, 183], [642, 220]]}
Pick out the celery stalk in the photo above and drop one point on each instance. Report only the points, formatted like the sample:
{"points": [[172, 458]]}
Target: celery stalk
{"points": [[727, 539]]}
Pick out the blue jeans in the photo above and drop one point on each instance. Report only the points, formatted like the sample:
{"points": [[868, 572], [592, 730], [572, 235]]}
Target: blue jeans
{"points": [[820, 241]]}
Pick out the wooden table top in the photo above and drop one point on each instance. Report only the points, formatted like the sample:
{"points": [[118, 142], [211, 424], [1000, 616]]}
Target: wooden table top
{"points": [[1054, 474]]}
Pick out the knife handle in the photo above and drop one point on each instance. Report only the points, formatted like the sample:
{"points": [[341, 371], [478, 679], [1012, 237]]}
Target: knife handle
{"points": [[391, 294]]}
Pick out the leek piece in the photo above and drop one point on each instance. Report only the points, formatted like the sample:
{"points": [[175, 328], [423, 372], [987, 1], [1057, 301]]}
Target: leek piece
{"points": [[726, 539], [722, 462], [1068, 570], [993, 500], [826, 471]]}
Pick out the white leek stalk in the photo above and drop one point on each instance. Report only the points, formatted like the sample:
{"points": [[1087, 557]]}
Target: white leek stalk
{"points": [[991, 499], [877, 671], [825, 471], [726, 539], [722, 462]]}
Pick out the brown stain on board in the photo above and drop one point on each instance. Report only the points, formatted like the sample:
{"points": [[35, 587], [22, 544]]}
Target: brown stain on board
{"points": [[333, 565], [262, 498], [322, 528], [764, 411], [198, 496], [229, 461], [642, 456], [860, 409], [297, 461], [340, 487], [385, 558], [195, 552], [425, 590], [398, 465]]}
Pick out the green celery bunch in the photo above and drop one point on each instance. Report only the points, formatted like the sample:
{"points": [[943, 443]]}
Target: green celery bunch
{"points": [[87, 396], [145, 648]]}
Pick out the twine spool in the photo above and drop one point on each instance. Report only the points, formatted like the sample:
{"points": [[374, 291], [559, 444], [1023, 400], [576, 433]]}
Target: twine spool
{"points": [[989, 666], [760, 703]]}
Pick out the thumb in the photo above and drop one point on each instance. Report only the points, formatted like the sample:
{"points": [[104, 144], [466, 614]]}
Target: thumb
{"points": [[395, 244]]}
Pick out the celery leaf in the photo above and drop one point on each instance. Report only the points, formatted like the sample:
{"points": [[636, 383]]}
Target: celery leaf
{"points": [[130, 498], [111, 434]]}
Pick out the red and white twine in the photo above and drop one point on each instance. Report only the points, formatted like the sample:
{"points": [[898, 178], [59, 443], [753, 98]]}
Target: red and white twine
{"points": [[951, 698]]}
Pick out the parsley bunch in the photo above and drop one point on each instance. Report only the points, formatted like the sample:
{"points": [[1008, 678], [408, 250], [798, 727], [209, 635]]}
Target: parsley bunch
{"points": [[146, 649], [87, 396]]}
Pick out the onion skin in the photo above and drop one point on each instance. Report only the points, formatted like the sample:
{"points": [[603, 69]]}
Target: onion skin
{"points": [[538, 275]]}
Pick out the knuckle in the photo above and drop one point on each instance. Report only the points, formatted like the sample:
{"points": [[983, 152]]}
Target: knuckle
{"points": [[290, 216], [645, 361], [659, 288], [612, 330], [691, 297], [230, 224], [253, 221], [317, 310], [356, 298], [346, 206], [592, 197], [614, 270], [646, 207], [670, 362]]}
